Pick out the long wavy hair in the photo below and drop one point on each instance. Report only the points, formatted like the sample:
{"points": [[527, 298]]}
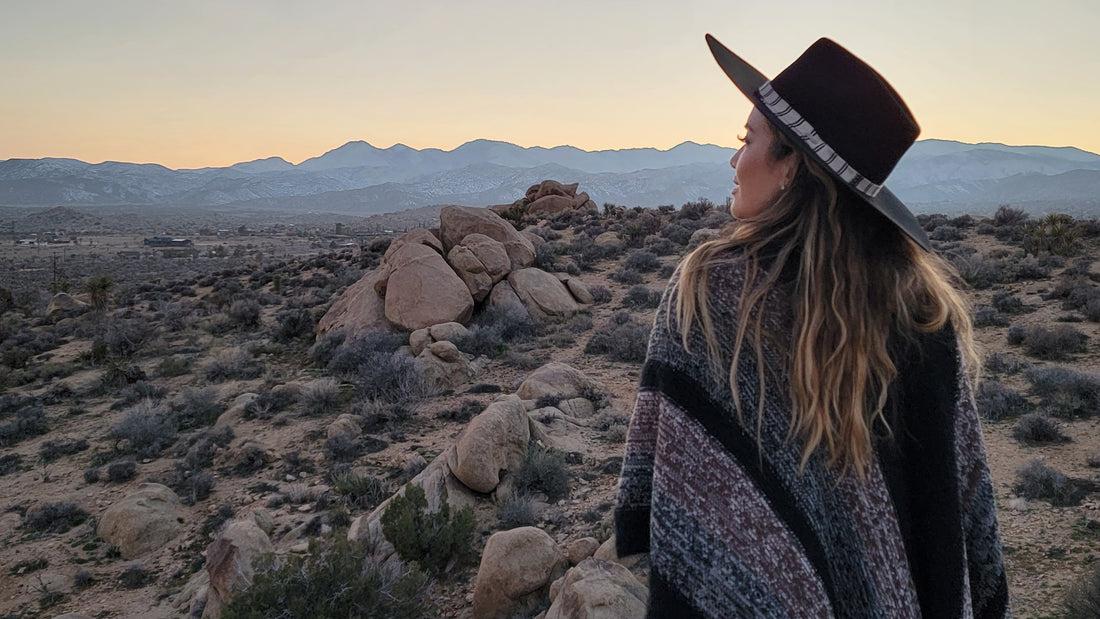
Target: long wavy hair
{"points": [[859, 284]]}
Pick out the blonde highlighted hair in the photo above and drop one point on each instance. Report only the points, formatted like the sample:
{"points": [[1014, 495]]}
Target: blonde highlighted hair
{"points": [[859, 283]]}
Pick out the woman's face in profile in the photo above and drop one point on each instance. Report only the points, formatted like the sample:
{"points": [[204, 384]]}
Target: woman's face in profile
{"points": [[758, 178]]}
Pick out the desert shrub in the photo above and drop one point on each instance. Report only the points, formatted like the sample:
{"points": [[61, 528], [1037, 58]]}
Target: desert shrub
{"points": [[431, 540], [946, 233], [359, 491], [1055, 344], [985, 228], [1007, 303], [1036, 429], [986, 316], [1036, 480], [385, 376], [465, 411], [1055, 233], [54, 517], [92, 475], [176, 365], [53, 449], [82, 579], [678, 234], [544, 471], [495, 328], [134, 576], [336, 579], [1016, 335], [199, 448], [696, 210], [622, 338], [627, 275], [663, 247], [342, 448], [138, 391], [642, 261], [1082, 601], [121, 471], [349, 355], [268, 403], [517, 510], [123, 338], [26, 566], [197, 407], [640, 297], [231, 364], [319, 397], [29, 421], [10, 463], [600, 294], [1065, 392], [117, 374], [146, 430], [1006, 215], [192, 486], [997, 363], [997, 402], [294, 324], [244, 313], [976, 271], [379, 415]]}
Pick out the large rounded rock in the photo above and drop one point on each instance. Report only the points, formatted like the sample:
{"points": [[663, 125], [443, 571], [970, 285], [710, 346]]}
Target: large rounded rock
{"points": [[142, 521], [63, 302], [418, 236], [359, 310], [577, 289], [550, 188], [597, 589], [556, 380], [443, 366], [470, 269], [491, 253], [424, 290], [493, 441], [504, 298], [516, 570], [548, 206], [542, 293], [456, 222], [229, 560]]}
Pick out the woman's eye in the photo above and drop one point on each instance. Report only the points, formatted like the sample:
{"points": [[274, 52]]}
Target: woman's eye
{"points": [[741, 139]]}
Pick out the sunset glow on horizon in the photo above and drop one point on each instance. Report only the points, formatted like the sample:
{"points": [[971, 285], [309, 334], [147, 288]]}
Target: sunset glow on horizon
{"points": [[202, 83]]}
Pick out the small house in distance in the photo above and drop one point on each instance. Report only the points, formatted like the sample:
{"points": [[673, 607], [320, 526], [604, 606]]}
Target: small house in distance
{"points": [[167, 241]]}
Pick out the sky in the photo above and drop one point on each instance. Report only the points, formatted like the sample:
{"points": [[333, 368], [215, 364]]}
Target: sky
{"points": [[195, 83]]}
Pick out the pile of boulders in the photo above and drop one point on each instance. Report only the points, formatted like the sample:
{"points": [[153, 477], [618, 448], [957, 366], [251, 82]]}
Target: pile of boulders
{"points": [[548, 199], [428, 277]]}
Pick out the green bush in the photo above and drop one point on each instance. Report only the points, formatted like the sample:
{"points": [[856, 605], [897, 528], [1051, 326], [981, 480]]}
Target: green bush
{"points": [[337, 579], [431, 540]]}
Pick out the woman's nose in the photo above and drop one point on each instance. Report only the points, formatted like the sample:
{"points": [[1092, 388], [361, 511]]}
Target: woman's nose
{"points": [[733, 159]]}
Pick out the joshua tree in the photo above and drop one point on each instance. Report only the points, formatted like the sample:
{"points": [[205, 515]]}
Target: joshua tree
{"points": [[99, 290]]}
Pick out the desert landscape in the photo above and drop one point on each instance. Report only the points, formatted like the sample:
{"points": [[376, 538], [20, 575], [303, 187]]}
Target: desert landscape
{"points": [[204, 414]]}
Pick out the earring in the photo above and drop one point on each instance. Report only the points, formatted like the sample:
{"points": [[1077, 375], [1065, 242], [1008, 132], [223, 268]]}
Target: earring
{"points": [[782, 186]]}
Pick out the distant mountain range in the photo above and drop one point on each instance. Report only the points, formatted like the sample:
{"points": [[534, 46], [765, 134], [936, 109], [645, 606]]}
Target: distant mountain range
{"points": [[359, 179]]}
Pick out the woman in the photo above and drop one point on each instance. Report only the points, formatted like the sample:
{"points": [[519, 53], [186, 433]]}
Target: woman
{"points": [[805, 441]]}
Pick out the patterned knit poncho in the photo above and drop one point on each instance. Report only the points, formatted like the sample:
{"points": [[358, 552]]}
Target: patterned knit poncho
{"points": [[733, 528]]}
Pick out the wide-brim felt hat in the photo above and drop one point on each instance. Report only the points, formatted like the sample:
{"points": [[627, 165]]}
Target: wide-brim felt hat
{"points": [[840, 111]]}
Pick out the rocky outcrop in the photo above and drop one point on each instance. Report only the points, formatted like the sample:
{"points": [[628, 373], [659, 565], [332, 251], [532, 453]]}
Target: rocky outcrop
{"points": [[493, 441], [443, 366], [556, 380], [229, 561], [358, 310], [457, 222], [597, 589], [64, 303], [142, 521], [542, 294], [516, 570], [424, 290]]}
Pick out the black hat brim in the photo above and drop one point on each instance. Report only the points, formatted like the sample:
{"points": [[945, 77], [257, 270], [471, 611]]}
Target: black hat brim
{"points": [[748, 80]]}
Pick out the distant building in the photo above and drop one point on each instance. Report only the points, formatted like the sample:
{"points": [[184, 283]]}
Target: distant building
{"points": [[167, 241]]}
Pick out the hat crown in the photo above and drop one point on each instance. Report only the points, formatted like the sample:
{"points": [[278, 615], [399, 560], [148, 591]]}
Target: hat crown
{"points": [[851, 107]]}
